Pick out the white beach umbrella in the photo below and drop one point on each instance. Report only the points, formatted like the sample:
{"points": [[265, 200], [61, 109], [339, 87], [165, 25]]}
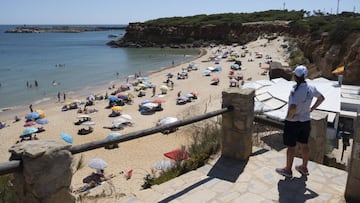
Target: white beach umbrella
{"points": [[167, 120], [126, 116], [97, 163]]}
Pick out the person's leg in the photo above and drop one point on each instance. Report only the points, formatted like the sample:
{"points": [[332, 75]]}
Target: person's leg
{"points": [[290, 154], [289, 138], [305, 154]]}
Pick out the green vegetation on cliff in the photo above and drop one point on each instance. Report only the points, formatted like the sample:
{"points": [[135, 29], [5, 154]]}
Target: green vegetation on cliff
{"points": [[338, 26], [229, 18]]}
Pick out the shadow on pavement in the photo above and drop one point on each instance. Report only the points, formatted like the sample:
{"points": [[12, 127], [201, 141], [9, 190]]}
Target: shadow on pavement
{"points": [[225, 169], [294, 190]]}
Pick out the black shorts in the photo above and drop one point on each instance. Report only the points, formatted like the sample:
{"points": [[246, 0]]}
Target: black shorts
{"points": [[296, 131]]}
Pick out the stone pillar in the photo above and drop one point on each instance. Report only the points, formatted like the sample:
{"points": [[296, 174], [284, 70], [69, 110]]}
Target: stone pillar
{"points": [[46, 174], [352, 193], [317, 139], [237, 125]]}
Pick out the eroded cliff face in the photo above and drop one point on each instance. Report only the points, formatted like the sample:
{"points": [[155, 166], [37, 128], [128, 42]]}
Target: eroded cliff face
{"points": [[324, 57], [143, 35]]}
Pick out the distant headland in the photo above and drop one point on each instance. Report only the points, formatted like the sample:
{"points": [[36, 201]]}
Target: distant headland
{"points": [[63, 29]]}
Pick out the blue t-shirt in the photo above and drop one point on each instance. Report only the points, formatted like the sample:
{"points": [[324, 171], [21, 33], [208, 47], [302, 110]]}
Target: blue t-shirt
{"points": [[302, 98]]}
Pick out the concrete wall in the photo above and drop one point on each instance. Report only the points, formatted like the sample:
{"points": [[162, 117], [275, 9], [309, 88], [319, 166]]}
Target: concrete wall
{"points": [[352, 190]]}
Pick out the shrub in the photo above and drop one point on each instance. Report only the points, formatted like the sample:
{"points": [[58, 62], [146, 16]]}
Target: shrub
{"points": [[206, 142], [7, 193]]}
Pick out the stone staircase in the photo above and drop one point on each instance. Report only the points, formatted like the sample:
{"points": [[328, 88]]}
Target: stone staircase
{"points": [[228, 180]]}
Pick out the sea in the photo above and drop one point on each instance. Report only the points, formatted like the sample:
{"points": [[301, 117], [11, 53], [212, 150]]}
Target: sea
{"points": [[72, 63]]}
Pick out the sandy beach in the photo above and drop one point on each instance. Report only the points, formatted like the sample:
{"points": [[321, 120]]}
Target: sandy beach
{"points": [[142, 154]]}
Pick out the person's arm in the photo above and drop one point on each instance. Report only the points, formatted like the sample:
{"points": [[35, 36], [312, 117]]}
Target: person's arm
{"points": [[319, 100], [291, 112]]}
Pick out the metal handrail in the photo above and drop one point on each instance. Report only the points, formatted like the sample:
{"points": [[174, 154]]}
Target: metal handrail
{"points": [[15, 165]]}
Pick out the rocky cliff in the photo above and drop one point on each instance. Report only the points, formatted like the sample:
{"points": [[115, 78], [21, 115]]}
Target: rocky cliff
{"points": [[322, 55], [147, 35]]}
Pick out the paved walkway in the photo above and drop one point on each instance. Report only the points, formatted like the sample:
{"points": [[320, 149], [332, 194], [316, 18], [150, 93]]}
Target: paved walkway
{"points": [[228, 180]]}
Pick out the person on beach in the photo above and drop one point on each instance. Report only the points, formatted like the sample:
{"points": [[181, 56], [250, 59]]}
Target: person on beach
{"points": [[58, 96], [154, 91], [172, 85], [64, 96], [30, 107], [297, 122], [16, 119], [36, 83]]}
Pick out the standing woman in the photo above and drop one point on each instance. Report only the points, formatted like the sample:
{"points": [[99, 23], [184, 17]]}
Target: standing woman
{"points": [[297, 122]]}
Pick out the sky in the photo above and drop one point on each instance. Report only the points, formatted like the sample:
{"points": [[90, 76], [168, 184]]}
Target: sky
{"points": [[123, 12]]}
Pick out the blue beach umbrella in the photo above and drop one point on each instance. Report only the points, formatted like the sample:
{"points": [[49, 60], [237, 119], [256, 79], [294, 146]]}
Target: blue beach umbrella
{"points": [[33, 115], [169, 75], [113, 135], [235, 66], [188, 95], [42, 121], [145, 101], [112, 99], [67, 138], [30, 130]]}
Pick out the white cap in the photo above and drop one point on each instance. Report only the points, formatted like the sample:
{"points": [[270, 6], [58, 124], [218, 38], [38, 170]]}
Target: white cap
{"points": [[301, 70]]}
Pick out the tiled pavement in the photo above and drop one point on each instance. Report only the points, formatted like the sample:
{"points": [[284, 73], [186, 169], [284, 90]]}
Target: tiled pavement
{"points": [[228, 180]]}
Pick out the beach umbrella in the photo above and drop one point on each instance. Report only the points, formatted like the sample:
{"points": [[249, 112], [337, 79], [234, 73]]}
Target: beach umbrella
{"points": [[41, 113], [210, 68], [88, 123], [119, 121], [112, 99], [158, 101], [29, 123], [29, 130], [235, 66], [91, 98], [164, 88], [66, 137], [194, 93], [83, 116], [142, 78], [97, 163], [145, 101], [123, 97], [217, 69], [141, 85], [113, 135], [215, 79], [339, 70], [183, 98], [207, 72], [177, 154], [149, 105], [126, 116], [116, 108], [32, 116], [42, 121], [167, 120], [169, 75], [188, 95]]}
